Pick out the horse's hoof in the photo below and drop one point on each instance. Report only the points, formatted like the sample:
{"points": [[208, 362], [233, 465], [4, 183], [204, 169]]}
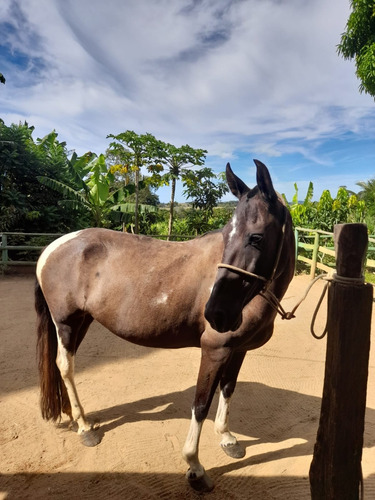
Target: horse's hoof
{"points": [[202, 484], [235, 450], [91, 438]]}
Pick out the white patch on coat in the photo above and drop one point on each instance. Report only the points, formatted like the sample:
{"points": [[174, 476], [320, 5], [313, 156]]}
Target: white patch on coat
{"points": [[161, 299], [49, 250], [234, 228]]}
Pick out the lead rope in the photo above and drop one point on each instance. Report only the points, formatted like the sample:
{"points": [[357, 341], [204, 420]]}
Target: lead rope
{"points": [[274, 302], [332, 277]]}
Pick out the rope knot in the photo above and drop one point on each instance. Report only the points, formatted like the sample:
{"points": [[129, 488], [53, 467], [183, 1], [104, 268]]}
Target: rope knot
{"points": [[288, 315]]}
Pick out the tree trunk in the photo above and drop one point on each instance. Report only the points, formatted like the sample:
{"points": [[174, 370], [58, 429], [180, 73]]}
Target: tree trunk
{"points": [[136, 215], [171, 209]]}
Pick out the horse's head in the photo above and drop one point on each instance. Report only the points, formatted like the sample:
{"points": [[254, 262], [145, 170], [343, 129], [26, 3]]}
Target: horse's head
{"points": [[253, 240]]}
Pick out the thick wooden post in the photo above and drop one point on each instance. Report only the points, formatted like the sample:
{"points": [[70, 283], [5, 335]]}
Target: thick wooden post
{"points": [[335, 472]]}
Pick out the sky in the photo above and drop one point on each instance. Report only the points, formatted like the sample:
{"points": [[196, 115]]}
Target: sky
{"points": [[242, 79]]}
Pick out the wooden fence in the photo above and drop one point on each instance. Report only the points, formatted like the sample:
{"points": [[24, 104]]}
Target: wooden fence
{"points": [[316, 249], [313, 247], [23, 249]]}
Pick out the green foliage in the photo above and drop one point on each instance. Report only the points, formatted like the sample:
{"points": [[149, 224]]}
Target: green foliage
{"points": [[367, 198], [303, 214], [26, 205], [328, 211], [358, 42], [96, 191], [191, 222], [109, 190]]}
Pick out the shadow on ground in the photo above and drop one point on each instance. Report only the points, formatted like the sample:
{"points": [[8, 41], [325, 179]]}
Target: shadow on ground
{"points": [[257, 410]]}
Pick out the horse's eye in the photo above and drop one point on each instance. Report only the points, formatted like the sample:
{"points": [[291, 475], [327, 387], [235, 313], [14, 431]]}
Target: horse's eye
{"points": [[255, 240]]}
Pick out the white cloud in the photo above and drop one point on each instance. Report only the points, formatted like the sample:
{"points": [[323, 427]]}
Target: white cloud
{"points": [[257, 76]]}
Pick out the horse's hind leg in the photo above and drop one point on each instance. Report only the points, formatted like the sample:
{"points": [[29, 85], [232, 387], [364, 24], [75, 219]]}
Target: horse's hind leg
{"points": [[69, 336], [228, 381]]}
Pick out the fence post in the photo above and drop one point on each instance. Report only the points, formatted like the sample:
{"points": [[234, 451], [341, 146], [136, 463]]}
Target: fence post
{"points": [[315, 255], [335, 471], [296, 248], [4, 250]]}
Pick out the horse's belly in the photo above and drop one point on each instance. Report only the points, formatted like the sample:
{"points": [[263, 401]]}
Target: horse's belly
{"points": [[152, 327]]}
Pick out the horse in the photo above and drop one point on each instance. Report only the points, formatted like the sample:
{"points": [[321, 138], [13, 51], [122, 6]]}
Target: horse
{"points": [[215, 292]]}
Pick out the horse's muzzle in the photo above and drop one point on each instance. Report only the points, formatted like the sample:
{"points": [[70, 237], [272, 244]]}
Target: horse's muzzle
{"points": [[222, 321]]}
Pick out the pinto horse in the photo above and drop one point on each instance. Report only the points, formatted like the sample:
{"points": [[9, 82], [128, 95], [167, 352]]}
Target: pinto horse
{"points": [[212, 292]]}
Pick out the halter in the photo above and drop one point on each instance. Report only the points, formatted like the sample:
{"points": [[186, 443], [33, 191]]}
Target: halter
{"points": [[271, 299]]}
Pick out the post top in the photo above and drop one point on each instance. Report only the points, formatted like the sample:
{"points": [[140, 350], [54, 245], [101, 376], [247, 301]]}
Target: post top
{"points": [[351, 242]]}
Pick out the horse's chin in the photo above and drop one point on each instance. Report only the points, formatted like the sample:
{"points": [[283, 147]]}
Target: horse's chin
{"points": [[221, 323]]}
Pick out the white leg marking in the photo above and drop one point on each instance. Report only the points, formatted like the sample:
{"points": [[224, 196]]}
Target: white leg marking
{"points": [[51, 248], [190, 449], [65, 363], [222, 421]]}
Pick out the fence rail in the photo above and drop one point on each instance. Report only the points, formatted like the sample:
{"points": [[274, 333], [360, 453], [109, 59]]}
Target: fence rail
{"points": [[313, 247], [316, 249]]}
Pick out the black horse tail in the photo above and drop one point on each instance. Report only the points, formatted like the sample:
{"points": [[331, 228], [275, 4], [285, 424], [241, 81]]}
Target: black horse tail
{"points": [[54, 398]]}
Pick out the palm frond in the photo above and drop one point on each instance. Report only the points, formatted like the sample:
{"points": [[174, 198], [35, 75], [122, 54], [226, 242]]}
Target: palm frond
{"points": [[62, 188]]}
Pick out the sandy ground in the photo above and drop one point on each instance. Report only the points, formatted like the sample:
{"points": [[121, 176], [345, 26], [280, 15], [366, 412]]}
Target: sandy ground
{"points": [[142, 398]]}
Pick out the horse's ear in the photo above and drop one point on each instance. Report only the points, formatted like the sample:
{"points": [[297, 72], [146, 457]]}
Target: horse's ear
{"points": [[264, 182], [235, 184]]}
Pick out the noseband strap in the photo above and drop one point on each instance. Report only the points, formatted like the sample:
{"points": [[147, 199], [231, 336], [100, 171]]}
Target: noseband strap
{"points": [[242, 272]]}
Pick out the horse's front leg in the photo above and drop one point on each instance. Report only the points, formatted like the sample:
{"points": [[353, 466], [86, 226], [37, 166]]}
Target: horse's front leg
{"points": [[228, 381], [210, 371]]}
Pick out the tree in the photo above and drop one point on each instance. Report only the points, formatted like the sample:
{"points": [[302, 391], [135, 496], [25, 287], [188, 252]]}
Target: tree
{"points": [[26, 205], [358, 42], [177, 161], [2, 78], [205, 189], [133, 151]]}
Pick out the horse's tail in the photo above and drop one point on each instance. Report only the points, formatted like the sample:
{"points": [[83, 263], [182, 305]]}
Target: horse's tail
{"points": [[54, 398]]}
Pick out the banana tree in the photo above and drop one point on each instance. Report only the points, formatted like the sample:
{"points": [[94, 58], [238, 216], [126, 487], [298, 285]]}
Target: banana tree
{"points": [[93, 188]]}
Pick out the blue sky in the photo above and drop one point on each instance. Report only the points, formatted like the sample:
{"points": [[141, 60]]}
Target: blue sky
{"points": [[241, 78]]}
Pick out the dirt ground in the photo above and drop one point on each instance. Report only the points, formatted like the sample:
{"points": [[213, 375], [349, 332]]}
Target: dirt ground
{"points": [[142, 398]]}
